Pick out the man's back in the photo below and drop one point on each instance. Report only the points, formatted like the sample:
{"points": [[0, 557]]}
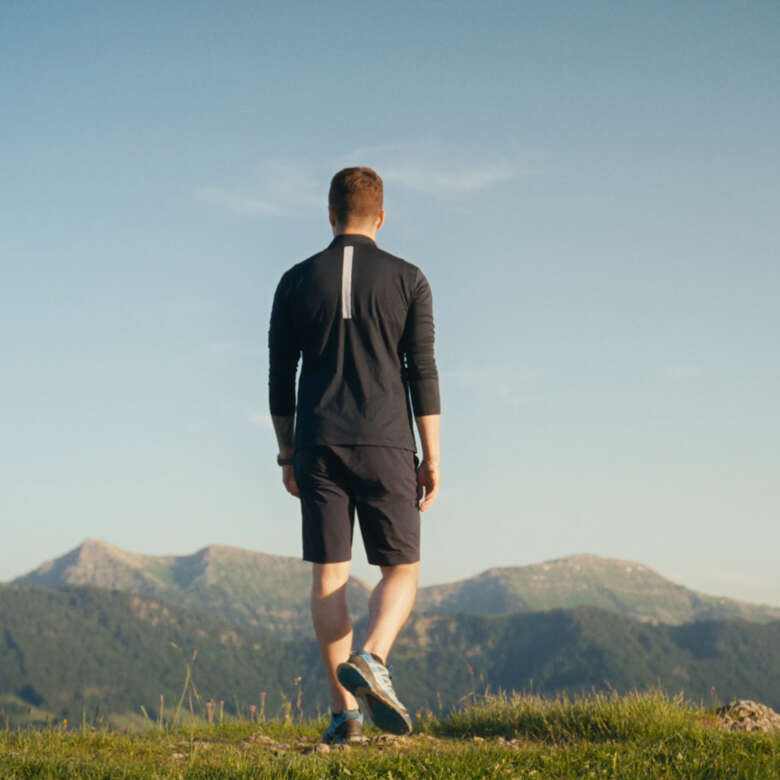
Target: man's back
{"points": [[363, 320]]}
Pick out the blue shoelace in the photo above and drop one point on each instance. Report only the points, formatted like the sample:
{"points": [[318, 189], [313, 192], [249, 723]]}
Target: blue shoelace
{"points": [[383, 674]]}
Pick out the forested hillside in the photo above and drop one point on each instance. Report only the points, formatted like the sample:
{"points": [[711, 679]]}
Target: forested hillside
{"points": [[66, 651]]}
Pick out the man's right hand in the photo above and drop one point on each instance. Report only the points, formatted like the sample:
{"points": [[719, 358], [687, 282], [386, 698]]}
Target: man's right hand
{"points": [[428, 479], [288, 479]]}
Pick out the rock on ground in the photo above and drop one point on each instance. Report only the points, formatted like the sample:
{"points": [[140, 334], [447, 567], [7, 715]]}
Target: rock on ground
{"points": [[746, 715]]}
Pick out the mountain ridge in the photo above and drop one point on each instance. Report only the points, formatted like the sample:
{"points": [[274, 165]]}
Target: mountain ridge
{"points": [[270, 592], [585, 579], [254, 589]]}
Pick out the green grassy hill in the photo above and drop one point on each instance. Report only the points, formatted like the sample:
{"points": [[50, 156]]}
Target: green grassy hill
{"points": [[635, 736]]}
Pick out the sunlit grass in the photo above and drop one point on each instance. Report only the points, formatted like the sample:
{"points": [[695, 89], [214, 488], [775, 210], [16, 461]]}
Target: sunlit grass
{"points": [[595, 717], [630, 736]]}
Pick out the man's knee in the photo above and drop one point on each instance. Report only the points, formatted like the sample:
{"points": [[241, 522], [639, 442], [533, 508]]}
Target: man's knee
{"points": [[407, 570], [329, 578]]}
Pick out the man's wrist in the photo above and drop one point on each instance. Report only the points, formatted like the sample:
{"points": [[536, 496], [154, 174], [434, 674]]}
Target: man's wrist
{"points": [[285, 458], [285, 437]]}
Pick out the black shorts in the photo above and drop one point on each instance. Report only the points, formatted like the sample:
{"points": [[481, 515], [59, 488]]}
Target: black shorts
{"points": [[380, 482]]}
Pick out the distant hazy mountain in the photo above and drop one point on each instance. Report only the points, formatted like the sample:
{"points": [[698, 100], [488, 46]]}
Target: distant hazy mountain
{"points": [[69, 652], [627, 588], [249, 589], [271, 592]]}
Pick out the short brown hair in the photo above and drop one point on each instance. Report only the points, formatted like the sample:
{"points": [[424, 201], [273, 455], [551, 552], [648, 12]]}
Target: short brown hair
{"points": [[355, 193]]}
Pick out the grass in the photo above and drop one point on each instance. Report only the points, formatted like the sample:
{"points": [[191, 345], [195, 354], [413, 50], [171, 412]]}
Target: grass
{"points": [[637, 735], [595, 718]]}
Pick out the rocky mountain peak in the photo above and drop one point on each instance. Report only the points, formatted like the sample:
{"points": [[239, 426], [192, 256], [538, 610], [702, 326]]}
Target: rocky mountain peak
{"points": [[91, 550]]}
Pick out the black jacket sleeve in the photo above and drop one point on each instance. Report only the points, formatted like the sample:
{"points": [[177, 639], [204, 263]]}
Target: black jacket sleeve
{"points": [[417, 345], [283, 353]]}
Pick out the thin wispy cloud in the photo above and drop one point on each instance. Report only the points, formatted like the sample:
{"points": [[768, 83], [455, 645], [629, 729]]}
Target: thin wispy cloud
{"points": [[280, 189], [284, 188], [242, 203], [431, 169], [430, 180]]}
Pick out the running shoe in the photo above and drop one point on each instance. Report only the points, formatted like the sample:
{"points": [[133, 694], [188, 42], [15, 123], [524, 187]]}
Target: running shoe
{"points": [[368, 679], [345, 726]]}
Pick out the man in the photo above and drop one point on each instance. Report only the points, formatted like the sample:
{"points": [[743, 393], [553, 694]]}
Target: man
{"points": [[363, 321]]}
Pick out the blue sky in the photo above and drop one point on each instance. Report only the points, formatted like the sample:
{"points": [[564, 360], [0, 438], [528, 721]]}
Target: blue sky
{"points": [[592, 190]]}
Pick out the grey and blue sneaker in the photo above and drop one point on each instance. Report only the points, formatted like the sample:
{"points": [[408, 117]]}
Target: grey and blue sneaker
{"points": [[344, 726], [369, 679]]}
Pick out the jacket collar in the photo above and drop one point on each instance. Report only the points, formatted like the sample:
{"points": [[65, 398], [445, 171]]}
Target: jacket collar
{"points": [[351, 238]]}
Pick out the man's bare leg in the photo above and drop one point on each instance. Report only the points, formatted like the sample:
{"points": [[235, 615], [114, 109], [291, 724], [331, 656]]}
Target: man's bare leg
{"points": [[389, 607], [332, 625]]}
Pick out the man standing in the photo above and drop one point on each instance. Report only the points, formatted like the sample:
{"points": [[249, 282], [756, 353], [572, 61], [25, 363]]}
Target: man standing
{"points": [[363, 321]]}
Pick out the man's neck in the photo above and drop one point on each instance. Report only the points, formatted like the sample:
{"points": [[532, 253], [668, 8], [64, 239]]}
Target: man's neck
{"points": [[355, 232]]}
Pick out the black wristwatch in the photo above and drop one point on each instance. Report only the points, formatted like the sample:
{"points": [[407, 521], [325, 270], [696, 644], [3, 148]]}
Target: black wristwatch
{"points": [[285, 461]]}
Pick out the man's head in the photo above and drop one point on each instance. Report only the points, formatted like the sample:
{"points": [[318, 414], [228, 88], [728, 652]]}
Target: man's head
{"points": [[355, 201]]}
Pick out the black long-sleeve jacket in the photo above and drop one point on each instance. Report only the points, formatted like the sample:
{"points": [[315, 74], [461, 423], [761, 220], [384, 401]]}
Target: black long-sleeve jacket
{"points": [[363, 321]]}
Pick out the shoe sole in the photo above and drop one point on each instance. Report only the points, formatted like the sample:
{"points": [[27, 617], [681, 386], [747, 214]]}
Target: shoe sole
{"points": [[383, 712]]}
